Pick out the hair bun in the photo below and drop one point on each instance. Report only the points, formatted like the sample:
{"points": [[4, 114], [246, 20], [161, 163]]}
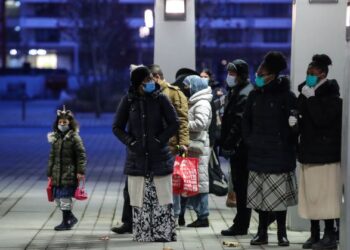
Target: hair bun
{"points": [[322, 59], [275, 61]]}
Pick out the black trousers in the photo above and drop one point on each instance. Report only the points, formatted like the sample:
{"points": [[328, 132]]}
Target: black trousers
{"points": [[239, 174], [127, 209]]}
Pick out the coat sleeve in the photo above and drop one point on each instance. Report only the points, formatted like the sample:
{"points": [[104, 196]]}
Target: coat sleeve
{"points": [[323, 111], [80, 154], [247, 118], [170, 117], [51, 161], [234, 136], [202, 114], [120, 120], [181, 107]]}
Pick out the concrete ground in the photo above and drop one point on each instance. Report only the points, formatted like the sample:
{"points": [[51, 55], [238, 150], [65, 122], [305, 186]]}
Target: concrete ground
{"points": [[27, 219]]}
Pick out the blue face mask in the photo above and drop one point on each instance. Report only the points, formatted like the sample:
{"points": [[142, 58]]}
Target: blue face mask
{"points": [[311, 80], [231, 81], [149, 87], [259, 81]]}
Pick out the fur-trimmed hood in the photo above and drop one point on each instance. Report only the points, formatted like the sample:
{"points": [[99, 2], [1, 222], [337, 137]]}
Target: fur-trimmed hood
{"points": [[52, 137], [328, 88]]}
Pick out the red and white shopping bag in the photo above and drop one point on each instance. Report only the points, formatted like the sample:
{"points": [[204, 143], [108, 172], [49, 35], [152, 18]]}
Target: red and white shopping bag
{"points": [[185, 176], [49, 190]]}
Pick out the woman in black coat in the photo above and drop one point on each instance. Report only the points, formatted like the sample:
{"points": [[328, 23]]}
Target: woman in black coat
{"points": [[151, 121], [271, 147], [320, 108]]}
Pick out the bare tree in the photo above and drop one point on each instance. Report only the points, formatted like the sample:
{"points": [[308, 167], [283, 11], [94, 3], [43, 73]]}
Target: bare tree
{"points": [[104, 39]]}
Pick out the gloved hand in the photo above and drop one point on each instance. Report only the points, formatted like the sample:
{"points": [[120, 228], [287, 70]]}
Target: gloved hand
{"points": [[307, 91], [292, 121]]}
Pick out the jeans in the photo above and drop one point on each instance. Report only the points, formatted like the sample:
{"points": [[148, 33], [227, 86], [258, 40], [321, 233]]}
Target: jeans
{"points": [[200, 205], [179, 205]]}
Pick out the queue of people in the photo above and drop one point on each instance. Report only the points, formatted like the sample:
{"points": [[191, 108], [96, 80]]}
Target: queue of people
{"points": [[260, 126]]}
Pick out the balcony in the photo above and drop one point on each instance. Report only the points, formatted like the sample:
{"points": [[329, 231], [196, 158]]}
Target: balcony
{"points": [[44, 22], [253, 23]]}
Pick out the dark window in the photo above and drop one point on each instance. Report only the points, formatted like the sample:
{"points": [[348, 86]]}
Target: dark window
{"points": [[228, 36], [47, 10], [47, 35], [276, 36], [12, 35], [277, 10]]}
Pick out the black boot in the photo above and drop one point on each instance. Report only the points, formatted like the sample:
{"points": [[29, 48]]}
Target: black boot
{"points": [[199, 223], [181, 220], [281, 217], [327, 242], [67, 222], [261, 238], [315, 235], [123, 229], [233, 231]]}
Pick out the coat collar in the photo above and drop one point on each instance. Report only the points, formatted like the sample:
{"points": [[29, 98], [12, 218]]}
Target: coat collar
{"points": [[52, 137], [326, 89]]}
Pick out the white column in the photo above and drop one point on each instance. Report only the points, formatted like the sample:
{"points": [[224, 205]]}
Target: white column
{"points": [[174, 42], [317, 29]]}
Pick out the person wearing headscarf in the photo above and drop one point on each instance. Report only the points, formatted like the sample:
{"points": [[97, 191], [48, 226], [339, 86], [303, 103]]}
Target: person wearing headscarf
{"points": [[271, 145], [145, 121], [199, 118], [319, 152]]}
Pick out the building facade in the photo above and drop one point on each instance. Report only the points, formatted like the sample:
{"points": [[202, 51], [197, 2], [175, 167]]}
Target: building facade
{"points": [[225, 29]]}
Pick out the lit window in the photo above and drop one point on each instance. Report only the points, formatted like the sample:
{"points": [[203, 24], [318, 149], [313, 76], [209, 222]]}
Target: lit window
{"points": [[48, 61]]}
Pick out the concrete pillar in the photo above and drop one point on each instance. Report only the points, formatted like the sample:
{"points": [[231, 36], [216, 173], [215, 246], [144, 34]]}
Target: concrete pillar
{"points": [[317, 29], [174, 42]]}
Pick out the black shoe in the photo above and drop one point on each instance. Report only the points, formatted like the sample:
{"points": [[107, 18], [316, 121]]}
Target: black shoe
{"points": [[327, 242], [67, 222], [199, 223], [310, 241], [282, 236], [181, 220], [123, 229], [260, 238], [283, 241], [233, 231]]}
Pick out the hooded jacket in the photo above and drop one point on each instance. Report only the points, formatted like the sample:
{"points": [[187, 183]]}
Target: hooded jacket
{"points": [[145, 124], [199, 116], [271, 143], [320, 123]]}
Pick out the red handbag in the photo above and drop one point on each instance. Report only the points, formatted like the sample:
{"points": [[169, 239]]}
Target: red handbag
{"points": [[49, 190], [185, 176], [80, 193]]}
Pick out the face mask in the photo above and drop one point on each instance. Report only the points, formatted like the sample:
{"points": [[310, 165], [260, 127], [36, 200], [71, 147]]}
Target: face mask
{"points": [[63, 128], [259, 81], [311, 80], [149, 87], [231, 81]]}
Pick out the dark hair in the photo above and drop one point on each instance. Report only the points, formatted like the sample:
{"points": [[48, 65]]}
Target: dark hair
{"points": [[208, 72], [155, 69], [274, 62], [321, 62], [73, 123]]}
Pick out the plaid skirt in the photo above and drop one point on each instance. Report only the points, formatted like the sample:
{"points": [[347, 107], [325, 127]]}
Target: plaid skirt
{"points": [[271, 192]]}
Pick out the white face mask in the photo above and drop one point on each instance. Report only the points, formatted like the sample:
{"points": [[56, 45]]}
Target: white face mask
{"points": [[231, 81], [63, 128]]}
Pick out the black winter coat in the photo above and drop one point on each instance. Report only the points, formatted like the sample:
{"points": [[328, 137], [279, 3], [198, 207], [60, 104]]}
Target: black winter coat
{"points": [[271, 142], [151, 121], [320, 122], [231, 140]]}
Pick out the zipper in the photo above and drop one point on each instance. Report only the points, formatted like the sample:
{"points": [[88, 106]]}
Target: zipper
{"points": [[61, 149]]}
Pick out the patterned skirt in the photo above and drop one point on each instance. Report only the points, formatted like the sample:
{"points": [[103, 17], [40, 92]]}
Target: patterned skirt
{"points": [[152, 222], [271, 192]]}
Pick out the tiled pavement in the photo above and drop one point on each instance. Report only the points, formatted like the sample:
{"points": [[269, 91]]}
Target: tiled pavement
{"points": [[27, 219]]}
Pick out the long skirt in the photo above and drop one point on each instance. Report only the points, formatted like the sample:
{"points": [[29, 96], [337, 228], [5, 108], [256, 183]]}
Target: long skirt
{"points": [[152, 222], [271, 192], [320, 191]]}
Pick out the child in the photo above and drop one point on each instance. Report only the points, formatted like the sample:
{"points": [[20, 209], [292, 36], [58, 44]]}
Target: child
{"points": [[67, 162]]}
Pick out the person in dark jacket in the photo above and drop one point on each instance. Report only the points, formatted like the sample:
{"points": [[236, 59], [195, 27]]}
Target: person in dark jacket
{"points": [[319, 122], [67, 164], [231, 142], [271, 145], [151, 121]]}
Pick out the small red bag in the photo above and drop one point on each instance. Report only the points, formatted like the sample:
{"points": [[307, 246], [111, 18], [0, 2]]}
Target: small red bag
{"points": [[49, 191], [80, 193], [185, 176]]}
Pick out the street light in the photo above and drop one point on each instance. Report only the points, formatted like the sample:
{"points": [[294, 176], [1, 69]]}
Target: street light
{"points": [[149, 19], [144, 32], [175, 10]]}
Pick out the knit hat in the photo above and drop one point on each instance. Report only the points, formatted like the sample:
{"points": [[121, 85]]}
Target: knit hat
{"points": [[274, 62], [240, 67], [138, 75], [196, 83]]}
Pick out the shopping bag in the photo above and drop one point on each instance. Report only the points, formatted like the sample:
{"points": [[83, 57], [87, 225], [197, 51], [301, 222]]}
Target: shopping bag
{"points": [[80, 192], [49, 190], [185, 176], [217, 180]]}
